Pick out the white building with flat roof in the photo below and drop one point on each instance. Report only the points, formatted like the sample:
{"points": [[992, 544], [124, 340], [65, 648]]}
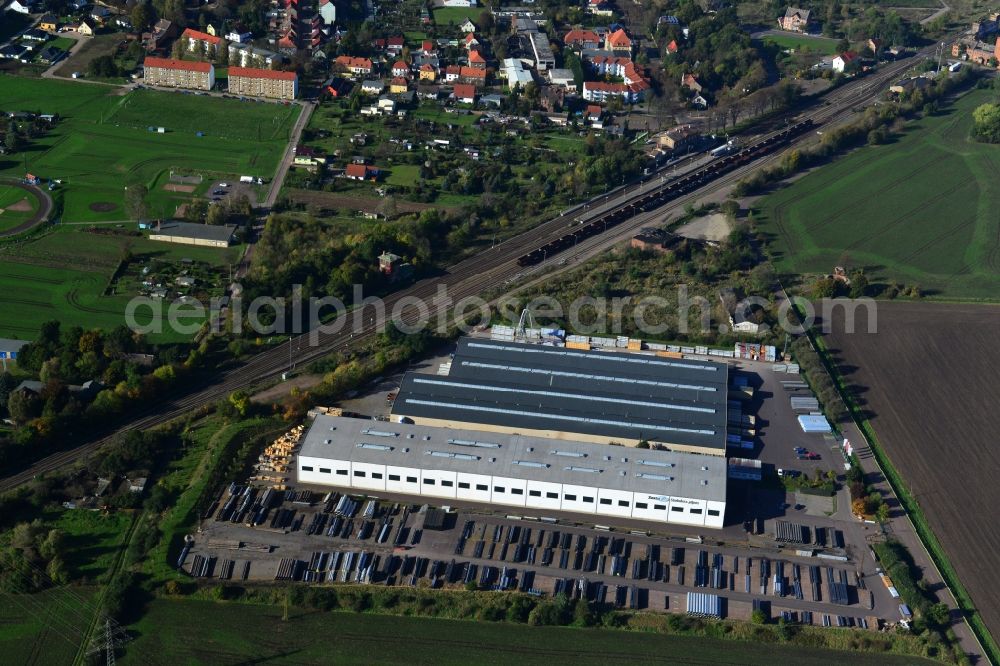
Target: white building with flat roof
{"points": [[531, 473]]}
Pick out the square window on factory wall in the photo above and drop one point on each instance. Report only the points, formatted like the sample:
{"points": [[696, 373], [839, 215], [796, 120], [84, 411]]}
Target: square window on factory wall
{"points": [[463, 485], [482, 486], [535, 493], [376, 475], [411, 479], [359, 473], [713, 512], [324, 470], [307, 468], [605, 501], [695, 510], [552, 495], [428, 482], [394, 477], [447, 484], [517, 491], [342, 472], [623, 503], [641, 505]]}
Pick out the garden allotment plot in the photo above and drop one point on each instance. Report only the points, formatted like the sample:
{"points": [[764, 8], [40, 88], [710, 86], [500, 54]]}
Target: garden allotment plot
{"points": [[922, 210], [102, 142]]}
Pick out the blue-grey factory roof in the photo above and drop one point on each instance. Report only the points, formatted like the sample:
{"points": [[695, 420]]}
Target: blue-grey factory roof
{"points": [[606, 394]]}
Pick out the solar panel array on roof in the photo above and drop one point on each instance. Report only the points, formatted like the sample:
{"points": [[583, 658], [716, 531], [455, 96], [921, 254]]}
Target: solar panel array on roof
{"points": [[604, 394]]}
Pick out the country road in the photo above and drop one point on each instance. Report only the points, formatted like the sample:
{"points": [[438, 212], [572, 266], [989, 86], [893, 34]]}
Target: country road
{"points": [[288, 156]]}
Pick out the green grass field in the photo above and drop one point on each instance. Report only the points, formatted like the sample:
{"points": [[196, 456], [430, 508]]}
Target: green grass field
{"points": [[102, 142], [191, 631], [93, 540], [63, 275], [444, 16], [61, 43], [919, 211], [403, 174], [820, 45], [17, 198], [45, 628]]}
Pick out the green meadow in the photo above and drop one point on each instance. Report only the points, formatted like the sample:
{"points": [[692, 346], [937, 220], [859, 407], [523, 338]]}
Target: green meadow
{"points": [[920, 210]]}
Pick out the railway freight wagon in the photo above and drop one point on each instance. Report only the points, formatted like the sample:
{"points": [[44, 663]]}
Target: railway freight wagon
{"points": [[667, 192]]}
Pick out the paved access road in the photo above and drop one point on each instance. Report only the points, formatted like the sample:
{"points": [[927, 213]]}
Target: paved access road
{"points": [[288, 156]]}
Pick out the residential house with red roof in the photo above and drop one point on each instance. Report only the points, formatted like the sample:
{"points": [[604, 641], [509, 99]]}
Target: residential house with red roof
{"points": [[361, 172], [395, 44], [200, 43], [691, 81], [582, 39], [477, 60], [254, 82], [400, 69], [473, 75], [356, 66], [464, 93], [619, 43], [599, 91], [845, 62], [178, 73]]}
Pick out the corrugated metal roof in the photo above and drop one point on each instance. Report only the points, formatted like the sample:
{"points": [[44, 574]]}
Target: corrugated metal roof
{"points": [[612, 394]]}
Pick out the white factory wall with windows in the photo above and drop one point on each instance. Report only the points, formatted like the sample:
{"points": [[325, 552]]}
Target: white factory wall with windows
{"points": [[512, 470]]}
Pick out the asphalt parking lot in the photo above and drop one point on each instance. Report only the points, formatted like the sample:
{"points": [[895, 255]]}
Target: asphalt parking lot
{"points": [[223, 190], [537, 555]]}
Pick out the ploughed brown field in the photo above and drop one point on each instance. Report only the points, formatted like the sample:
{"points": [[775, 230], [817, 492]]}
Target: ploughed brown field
{"points": [[928, 381]]}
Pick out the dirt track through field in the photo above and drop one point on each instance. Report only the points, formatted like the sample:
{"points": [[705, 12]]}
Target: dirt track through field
{"points": [[927, 382]]}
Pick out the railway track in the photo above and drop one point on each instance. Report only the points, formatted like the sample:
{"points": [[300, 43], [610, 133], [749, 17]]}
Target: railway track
{"points": [[490, 268]]}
